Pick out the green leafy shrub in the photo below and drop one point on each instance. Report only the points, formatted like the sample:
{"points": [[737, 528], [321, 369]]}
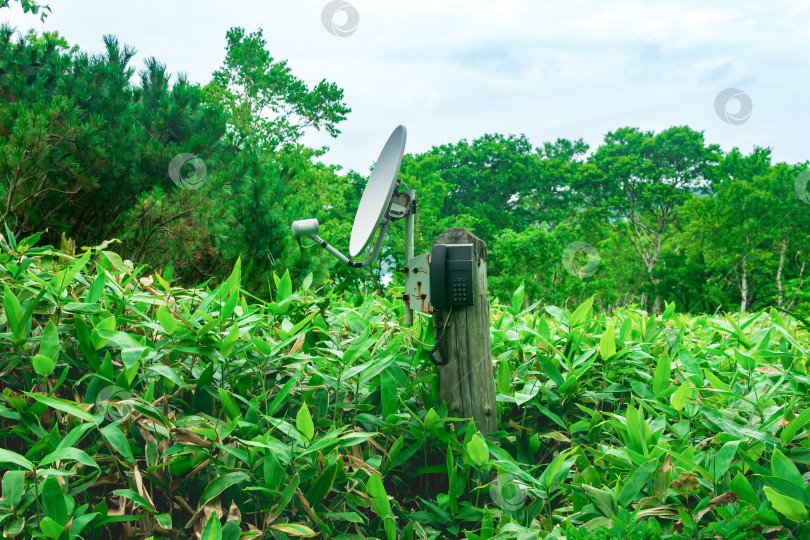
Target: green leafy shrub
{"points": [[133, 407]]}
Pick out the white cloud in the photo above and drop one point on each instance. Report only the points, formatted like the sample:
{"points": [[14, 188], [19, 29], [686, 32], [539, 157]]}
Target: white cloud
{"points": [[452, 69]]}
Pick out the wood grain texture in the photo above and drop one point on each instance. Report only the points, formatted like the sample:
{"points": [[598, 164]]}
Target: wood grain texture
{"points": [[467, 382]]}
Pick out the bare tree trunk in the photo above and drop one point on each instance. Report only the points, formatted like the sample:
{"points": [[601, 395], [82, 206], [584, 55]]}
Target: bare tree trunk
{"points": [[779, 273], [801, 280]]}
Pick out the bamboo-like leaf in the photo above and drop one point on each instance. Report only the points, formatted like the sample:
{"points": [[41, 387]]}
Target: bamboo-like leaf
{"points": [[68, 454], [13, 487], [517, 299], [213, 529], [53, 501], [681, 396], [49, 342], [68, 407], [230, 341], [635, 483], [379, 498], [744, 491], [607, 343], [784, 468], [7, 456], [283, 287], [663, 372], [477, 450], [388, 394], [722, 461], [294, 529], [118, 441], [303, 421], [172, 374], [230, 406], [13, 311], [790, 431], [221, 483], [504, 378], [43, 365], [580, 314], [787, 506], [167, 320], [134, 497]]}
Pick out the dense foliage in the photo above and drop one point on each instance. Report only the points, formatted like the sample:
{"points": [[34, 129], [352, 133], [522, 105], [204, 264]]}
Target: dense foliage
{"points": [[86, 153], [133, 407], [197, 393]]}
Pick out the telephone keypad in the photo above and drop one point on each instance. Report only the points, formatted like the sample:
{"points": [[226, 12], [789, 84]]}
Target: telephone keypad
{"points": [[459, 290]]}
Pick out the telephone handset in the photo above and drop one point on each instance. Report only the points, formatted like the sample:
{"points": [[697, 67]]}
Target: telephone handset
{"points": [[451, 284], [451, 275]]}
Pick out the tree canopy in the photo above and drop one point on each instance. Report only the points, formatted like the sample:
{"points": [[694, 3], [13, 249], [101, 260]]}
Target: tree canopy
{"points": [[87, 145]]}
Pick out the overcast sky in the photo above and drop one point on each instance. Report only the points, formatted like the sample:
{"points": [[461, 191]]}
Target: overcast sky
{"points": [[454, 69]]}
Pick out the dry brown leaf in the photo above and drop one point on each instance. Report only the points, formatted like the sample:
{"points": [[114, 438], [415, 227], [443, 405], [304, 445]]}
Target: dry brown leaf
{"points": [[762, 368], [139, 485], [203, 515], [299, 343], [186, 436], [518, 426], [210, 509], [120, 511], [360, 464], [233, 513], [720, 500], [556, 435], [182, 502], [376, 445]]}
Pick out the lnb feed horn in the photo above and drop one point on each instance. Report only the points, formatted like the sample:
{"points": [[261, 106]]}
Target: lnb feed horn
{"points": [[305, 227], [309, 227]]}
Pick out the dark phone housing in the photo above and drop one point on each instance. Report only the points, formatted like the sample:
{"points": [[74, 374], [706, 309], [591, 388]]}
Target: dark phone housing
{"points": [[451, 275]]}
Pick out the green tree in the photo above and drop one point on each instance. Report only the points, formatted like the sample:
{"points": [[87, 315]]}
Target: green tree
{"points": [[80, 144], [266, 103], [273, 179], [499, 187], [642, 178], [788, 217], [29, 6], [733, 225], [488, 180]]}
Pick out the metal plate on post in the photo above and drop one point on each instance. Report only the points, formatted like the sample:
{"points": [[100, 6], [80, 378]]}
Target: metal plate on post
{"points": [[417, 286]]}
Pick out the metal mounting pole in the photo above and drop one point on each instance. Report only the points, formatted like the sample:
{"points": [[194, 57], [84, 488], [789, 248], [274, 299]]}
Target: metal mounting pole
{"points": [[409, 226]]}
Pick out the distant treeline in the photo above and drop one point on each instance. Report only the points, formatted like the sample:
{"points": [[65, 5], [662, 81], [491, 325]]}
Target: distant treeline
{"points": [[643, 219]]}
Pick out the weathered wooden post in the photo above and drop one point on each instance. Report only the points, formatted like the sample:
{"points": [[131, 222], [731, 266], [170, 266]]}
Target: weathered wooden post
{"points": [[466, 381]]}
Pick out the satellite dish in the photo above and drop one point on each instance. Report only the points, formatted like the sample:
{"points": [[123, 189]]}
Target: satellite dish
{"points": [[376, 198], [382, 203]]}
